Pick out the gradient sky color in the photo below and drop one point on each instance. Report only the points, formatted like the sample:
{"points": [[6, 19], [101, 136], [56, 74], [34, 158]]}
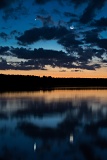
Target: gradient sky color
{"points": [[55, 38]]}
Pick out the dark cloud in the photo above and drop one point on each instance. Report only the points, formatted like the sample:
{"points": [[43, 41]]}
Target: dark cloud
{"points": [[15, 12], [41, 2], [92, 37], [69, 42], [98, 53], [72, 20], [84, 55], [69, 14], [3, 50], [31, 65], [9, 13], [4, 36], [100, 23], [44, 33], [37, 53], [39, 58], [91, 10], [90, 67], [30, 36], [5, 3], [62, 71], [4, 65], [42, 12], [78, 2], [46, 21], [102, 43], [15, 32], [28, 65], [56, 11], [61, 2], [62, 23], [41, 65], [63, 36], [76, 70]]}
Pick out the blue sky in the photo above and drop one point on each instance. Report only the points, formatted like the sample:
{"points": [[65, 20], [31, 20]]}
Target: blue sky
{"points": [[48, 35]]}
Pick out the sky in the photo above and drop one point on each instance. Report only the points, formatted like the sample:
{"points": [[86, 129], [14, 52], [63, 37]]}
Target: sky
{"points": [[55, 38]]}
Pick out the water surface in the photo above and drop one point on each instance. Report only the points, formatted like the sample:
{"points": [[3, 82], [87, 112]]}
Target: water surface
{"points": [[58, 124]]}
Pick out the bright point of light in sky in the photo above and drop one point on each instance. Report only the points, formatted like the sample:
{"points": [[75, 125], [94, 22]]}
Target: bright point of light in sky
{"points": [[71, 27]]}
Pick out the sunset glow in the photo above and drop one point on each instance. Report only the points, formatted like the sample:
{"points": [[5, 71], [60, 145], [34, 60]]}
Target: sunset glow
{"points": [[54, 38]]}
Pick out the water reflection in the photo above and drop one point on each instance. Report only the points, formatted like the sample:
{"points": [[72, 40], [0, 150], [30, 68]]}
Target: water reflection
{"points": [[61, 124], [71, 138]]}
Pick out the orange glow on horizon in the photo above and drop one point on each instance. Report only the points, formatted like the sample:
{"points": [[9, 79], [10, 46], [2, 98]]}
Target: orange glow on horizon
{"points": [[60, 95], [101, 73]]}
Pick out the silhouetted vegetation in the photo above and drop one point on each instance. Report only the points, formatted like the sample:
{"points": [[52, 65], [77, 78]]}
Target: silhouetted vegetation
{"points": [[32, 83]]}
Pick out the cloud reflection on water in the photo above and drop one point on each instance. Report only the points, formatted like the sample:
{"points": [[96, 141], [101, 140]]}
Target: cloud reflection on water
{"points": [[52, 120]]}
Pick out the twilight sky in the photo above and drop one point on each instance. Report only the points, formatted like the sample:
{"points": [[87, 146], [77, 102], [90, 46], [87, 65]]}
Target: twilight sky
{"points": [[59, 38]]}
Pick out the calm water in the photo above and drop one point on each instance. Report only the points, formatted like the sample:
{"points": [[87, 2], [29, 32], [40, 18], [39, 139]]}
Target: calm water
{"points": [[54, 125]]}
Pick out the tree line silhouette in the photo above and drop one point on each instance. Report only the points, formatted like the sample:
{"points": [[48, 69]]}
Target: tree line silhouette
{"points": [[32, 83]]}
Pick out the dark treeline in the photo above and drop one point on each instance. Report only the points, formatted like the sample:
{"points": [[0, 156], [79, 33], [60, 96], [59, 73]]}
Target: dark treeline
{"points": [[32, 83]]}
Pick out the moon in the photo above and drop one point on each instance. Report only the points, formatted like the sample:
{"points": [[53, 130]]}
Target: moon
{"points": [[71, 27], [35, 19]]}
